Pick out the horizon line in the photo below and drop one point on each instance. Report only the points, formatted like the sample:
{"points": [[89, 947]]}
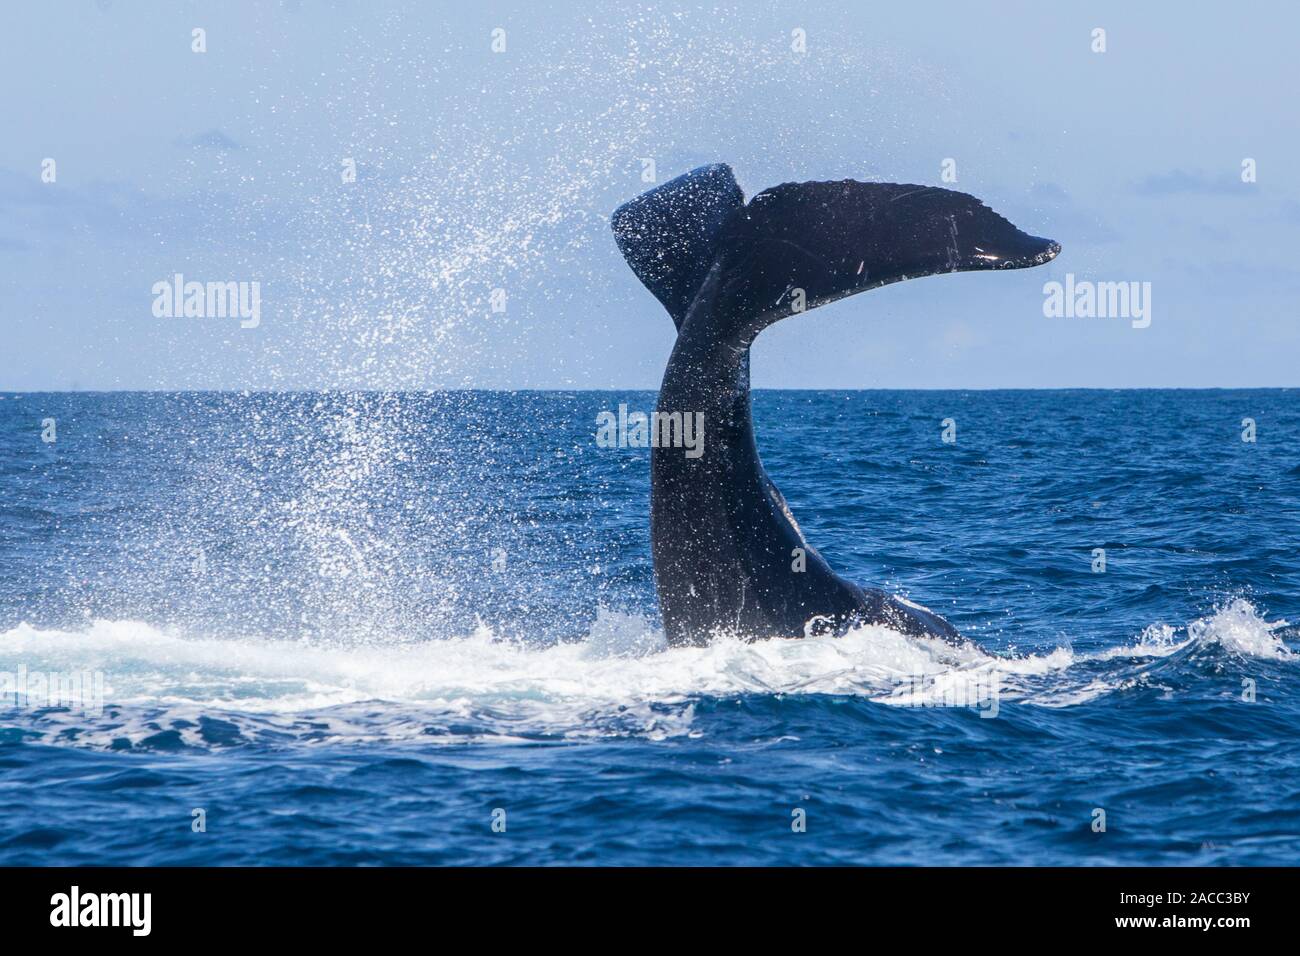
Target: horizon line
{"points": [[433, 391]]}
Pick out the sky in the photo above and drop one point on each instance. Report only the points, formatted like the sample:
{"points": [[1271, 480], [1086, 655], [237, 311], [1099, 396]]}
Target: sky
{"points": [[481, 169]]}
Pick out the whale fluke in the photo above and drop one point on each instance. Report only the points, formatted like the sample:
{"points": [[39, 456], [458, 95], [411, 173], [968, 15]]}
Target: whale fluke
{"points": [[835, 239], [728, 555], [669, 234]]}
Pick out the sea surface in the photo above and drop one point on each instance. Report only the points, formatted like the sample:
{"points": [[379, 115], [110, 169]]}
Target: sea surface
{"points": [[373, 628]]}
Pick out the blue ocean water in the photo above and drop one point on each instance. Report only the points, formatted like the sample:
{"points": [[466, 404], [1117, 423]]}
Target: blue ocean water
{"points": [[360, 628]]}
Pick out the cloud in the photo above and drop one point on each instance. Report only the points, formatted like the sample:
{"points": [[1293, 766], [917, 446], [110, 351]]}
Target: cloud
{"points": [[1181, 181], [212, 139], [1235, 278], [1068, 219], [104, 212]]}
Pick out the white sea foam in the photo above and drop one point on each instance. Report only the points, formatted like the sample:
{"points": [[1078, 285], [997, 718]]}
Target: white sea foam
{"points": [[622, 679]]}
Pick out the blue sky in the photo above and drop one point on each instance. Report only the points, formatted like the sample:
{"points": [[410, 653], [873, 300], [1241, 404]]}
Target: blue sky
{"points": [[479, 170]]}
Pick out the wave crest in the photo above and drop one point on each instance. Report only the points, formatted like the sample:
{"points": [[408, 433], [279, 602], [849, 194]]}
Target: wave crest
{"points": [[621, 680]]}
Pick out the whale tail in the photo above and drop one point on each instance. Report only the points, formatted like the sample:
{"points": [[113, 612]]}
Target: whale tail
{"points": [[722, 536], [800, 245]]}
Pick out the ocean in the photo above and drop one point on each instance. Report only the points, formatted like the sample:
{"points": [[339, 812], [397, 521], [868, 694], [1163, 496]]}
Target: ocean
{"points": [[420, 628]]}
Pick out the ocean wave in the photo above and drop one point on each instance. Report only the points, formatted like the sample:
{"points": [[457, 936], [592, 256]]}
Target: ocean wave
{"points": [[163, 689]]}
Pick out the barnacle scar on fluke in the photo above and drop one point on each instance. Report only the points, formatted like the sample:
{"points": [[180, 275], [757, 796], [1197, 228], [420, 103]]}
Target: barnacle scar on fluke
{"points": [[725, 545]]}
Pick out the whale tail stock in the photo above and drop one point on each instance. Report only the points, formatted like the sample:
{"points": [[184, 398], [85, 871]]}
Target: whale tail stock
{"points": [[800, 245]]}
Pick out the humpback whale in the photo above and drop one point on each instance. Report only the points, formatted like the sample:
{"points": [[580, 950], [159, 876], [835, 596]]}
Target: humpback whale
{"points": [[728, 555]]}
